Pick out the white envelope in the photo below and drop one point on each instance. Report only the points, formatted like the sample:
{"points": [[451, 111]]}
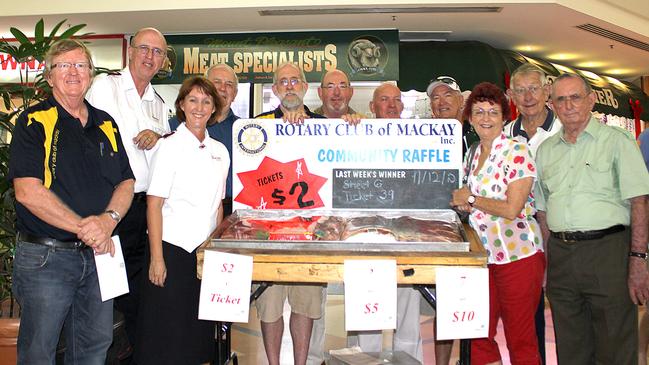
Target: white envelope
{"points": [[111, 272], [462, 302], [225, 288], [370, 295]]}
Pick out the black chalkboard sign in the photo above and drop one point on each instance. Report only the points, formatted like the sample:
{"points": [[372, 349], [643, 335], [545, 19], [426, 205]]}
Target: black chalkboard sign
{"points": [[394, 188]]}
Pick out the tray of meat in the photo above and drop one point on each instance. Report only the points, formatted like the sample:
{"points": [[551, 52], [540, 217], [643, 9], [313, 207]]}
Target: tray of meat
{"points": [[357, 231]]}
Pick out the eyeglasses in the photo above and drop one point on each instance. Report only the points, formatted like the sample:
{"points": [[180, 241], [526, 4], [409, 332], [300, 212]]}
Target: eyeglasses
{"points": [[293, 81], [534, 90], [331, 87], [67, 66], [575, 99], [480, 113], [144, 50]]}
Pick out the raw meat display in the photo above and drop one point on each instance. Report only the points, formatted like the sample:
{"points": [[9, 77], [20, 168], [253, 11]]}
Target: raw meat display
{"points": [[338, 227]]}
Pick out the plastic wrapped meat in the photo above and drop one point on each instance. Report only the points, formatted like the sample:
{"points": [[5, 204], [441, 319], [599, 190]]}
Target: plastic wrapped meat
{"points": [[291, 229], [410, 229], [402, 229]]}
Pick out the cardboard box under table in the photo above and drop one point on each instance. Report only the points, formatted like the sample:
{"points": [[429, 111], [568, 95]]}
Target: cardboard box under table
{"points": [[315, 261]]}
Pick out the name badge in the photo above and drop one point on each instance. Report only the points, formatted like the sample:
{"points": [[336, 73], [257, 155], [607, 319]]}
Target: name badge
{"points": [[462, 302], [370, 295], [225, 288]]}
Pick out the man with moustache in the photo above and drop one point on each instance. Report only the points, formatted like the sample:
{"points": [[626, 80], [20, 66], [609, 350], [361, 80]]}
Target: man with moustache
{"points": [[447, 102], [227, 85], [529, 91], [289, 85], [592, 186], [386, 104], [142, 118]]}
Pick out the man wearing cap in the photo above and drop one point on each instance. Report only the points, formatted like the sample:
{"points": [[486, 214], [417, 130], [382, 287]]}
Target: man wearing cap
{"points": [[386, 103], [446, 101], [529, 91]]}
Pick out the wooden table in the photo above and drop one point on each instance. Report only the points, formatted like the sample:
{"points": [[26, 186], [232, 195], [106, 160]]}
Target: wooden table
{"points": [[315, 262]]}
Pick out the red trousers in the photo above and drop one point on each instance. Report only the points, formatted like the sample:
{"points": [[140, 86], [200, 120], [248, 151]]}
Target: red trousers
{"points": [[514, 291]]}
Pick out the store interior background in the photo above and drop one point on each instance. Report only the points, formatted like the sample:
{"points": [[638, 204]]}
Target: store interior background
{"points": [[546, 30], [542, 29]]}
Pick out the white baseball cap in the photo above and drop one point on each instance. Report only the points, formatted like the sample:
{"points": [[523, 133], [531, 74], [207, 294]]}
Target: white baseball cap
{"points": [[442, 80]]}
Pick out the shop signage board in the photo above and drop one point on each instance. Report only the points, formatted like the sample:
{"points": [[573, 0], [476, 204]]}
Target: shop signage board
{"points": [[365, 55], [326, 163]]}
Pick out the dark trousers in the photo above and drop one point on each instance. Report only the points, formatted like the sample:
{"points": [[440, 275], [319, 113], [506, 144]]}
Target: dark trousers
{"points": [[539, 321], [595, 321], [133, 236]]}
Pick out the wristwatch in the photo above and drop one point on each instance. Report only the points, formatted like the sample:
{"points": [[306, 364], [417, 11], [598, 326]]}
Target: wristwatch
{"points": [[471, 200], [640, 255], [114, 215]]}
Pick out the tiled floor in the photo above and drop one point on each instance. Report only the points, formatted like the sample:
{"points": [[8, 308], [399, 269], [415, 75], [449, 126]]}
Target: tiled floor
{"points": [[246, 338]]}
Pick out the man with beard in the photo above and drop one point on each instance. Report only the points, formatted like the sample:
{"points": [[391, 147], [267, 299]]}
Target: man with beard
{"points": [[227, 85], [289, 85]]}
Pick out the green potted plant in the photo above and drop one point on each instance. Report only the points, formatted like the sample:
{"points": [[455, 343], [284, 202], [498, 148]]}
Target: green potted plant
{"points": [[16, 97]]}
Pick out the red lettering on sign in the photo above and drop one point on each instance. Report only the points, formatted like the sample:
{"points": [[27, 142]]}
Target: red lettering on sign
{"points": [[463, 316], [224, 299], [371, 308], [280, 185]]}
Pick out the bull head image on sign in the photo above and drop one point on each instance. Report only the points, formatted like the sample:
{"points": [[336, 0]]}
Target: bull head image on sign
{"points": [[364, 55]]}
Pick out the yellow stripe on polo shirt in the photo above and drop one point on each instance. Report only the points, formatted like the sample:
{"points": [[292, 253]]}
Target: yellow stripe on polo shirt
{"points": [[47, 118], [109, 131]]}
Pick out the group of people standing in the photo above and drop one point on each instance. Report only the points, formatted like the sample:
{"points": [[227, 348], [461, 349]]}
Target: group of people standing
{"points": [[553, 190]]}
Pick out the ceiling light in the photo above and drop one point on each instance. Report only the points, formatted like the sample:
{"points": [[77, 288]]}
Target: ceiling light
{"points": [[527, 48], [563, 56], [591, 64], [368, 10], [617, 71]]}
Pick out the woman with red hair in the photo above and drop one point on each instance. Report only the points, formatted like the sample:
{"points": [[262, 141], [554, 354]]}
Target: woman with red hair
{"points": [[498, 196]]}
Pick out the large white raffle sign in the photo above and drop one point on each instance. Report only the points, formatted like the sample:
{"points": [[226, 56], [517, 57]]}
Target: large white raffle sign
{"points": [[327, 163]]}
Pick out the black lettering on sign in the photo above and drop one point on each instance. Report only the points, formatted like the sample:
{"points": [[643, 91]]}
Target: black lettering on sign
{"points": [[394, 188]]}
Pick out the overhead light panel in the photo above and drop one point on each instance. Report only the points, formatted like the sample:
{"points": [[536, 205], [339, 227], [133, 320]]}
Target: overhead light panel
{"points": [[401, 10]]}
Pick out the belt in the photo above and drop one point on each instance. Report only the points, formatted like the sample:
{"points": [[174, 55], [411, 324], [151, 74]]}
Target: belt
{"points": [[587, 235], [139, 197], [51, 242]]}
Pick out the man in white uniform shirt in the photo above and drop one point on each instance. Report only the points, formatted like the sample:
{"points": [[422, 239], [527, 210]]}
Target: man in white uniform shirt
{"points": [[142, 118]]}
